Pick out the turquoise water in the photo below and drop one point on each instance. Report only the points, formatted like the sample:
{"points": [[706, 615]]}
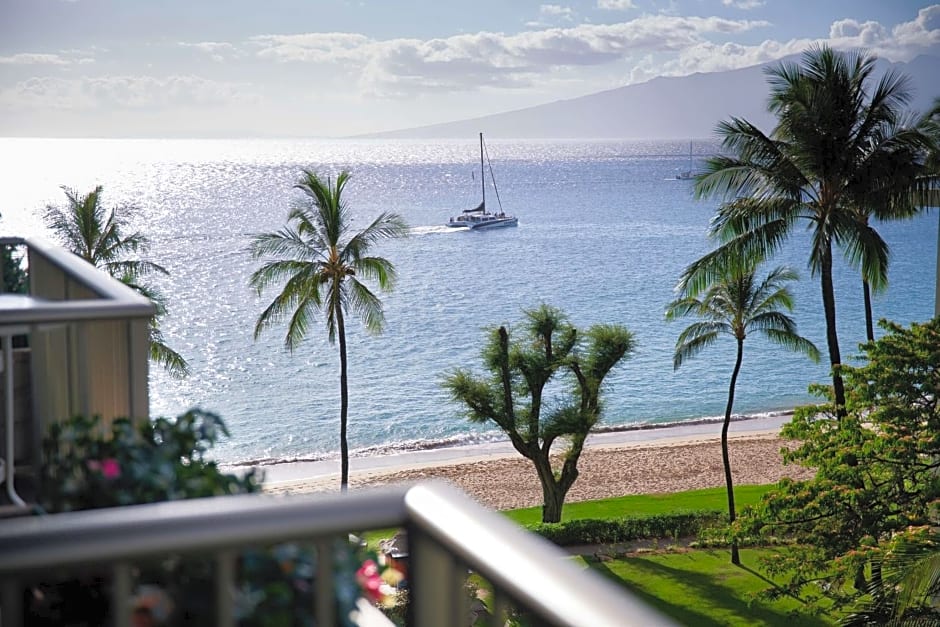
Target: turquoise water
{"points": [[603, 234]]}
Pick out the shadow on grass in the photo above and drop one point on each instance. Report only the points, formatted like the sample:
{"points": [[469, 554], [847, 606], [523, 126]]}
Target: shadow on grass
{"points": [[680, 614], [706, 588], [772, 583]]}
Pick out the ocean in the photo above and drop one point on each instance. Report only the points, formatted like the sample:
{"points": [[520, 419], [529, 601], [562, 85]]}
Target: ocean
{"points": [[604, 233]]}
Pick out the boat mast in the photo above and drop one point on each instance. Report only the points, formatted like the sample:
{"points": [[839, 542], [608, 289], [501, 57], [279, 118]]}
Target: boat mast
{"points": [[482, 174]]}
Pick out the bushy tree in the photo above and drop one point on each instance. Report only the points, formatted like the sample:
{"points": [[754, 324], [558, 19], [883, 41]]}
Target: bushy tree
{"points": [[153, 461], [876, 467], [511, 395]]}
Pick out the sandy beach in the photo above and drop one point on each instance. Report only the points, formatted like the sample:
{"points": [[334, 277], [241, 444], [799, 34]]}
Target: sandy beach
{"points": [[503, 479]]}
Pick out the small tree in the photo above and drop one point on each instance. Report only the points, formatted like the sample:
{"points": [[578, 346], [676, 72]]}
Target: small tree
{"points": [[512, 397], [876, 468]]}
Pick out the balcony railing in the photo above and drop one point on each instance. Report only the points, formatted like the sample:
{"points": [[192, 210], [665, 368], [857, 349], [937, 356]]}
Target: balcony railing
{"points": [[449, 536]]}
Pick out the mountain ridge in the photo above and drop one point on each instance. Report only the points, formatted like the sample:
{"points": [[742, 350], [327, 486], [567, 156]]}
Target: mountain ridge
{"points": [[686, 106]]}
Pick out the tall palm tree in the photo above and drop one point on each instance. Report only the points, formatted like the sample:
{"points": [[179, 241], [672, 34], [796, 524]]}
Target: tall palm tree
{"points": [[736, 304], [322, 261], [98, 235], [835, 148], [929, 193], [892, 173]]}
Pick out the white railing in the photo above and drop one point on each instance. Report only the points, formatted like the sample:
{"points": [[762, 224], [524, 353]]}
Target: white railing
{"points": [[449, 536]]}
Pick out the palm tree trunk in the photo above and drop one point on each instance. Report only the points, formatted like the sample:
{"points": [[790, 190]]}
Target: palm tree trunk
{"points": [[726, 460], [343, 403], [869, 322], [832, 339]]}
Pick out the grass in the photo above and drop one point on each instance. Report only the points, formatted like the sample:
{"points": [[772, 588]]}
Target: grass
{"points": [[648, 504], [699, 587], [703, 588]]}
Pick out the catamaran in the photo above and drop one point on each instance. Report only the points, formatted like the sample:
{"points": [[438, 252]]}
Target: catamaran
{"points": [[478, 217]]}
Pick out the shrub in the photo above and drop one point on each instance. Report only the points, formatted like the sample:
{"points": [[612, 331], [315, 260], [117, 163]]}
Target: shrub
{"points": [[612, 531], [159, 460], [88, 467]]}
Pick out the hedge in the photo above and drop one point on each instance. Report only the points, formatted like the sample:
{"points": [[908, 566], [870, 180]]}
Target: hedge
{"points": [[612, 531]]}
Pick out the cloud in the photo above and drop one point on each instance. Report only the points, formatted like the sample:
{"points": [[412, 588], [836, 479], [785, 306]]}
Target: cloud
{"points": [[745, 5], [615, 5], [217, 50], [470, 61], [644, 47], [120, 92], [29, 58], [901, 43], [314, 47], [556, 10]]}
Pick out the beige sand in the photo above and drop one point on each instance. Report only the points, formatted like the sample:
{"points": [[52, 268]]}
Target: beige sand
{"points": [[667, 466]]}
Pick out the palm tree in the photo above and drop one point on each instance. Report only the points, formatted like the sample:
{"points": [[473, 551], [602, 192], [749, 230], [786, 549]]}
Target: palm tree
{"points": [[322, 262], [837, 154], [929, 195], [97, 235], [735, 304], [905, 593]]}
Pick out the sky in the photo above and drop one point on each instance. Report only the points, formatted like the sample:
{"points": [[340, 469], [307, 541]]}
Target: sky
{"points": [[331, 68]]}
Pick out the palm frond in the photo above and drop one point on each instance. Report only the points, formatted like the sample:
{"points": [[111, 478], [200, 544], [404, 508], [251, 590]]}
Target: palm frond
{"points": [[748, 248], [696, 337], [793, 342], [365, 305], [377, 269], [386, 226], [169, 359], [278, 270]]}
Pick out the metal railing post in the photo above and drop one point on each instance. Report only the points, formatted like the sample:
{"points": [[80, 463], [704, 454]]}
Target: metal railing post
{"points": [[431, 574], [121, 594], [323, 597], [11, 603], [225, 589]]}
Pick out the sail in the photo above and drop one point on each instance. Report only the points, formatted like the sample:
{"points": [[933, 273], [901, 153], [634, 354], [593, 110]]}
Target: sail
{"points": [[480, 208]]}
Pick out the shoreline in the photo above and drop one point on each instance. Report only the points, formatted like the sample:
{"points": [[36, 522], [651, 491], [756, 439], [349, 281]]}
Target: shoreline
{"points": [[615, 463]]}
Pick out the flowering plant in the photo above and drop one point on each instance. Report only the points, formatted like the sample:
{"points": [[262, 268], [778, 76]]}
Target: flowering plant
{"points": [[165, 460], [159, 460]]}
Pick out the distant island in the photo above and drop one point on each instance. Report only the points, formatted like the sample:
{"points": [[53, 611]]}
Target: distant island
{"points": [[662, 108]]}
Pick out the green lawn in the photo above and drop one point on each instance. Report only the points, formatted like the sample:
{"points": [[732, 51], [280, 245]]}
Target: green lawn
{"points": [[648, 504], [699, 587], [704, 589]]}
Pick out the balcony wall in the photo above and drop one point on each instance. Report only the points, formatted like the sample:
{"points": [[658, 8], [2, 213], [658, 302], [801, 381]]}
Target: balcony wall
{"points": [[88, 343]]}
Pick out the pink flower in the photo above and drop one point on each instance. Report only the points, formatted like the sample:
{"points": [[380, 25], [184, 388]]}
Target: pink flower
{"points": [[370, 580], [110, 468]]}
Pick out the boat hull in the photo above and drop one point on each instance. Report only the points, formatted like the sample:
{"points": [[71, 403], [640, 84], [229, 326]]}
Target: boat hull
{"points": [[480, 225]]}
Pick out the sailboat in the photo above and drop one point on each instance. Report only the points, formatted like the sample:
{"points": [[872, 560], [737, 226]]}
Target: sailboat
{"points": [[688, 174], [478, 217]]}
